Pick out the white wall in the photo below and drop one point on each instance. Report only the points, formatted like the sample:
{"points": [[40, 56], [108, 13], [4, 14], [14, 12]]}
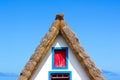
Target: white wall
{"points": [[73, 65]]}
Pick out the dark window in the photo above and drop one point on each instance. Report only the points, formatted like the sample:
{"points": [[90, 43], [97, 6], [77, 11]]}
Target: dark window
{"points": [[60, 76]]}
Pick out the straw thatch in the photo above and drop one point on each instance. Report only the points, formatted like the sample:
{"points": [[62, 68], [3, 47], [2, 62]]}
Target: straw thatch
{"points": [[60, 27]]}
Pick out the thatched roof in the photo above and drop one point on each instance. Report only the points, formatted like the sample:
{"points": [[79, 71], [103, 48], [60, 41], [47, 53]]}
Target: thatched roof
{"points": [[60, 27]]}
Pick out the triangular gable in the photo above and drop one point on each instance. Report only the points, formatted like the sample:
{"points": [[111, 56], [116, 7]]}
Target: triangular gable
{"points": [[60, 27]]}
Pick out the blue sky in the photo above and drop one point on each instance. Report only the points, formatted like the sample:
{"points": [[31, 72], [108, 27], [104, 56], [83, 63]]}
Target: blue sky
{"points": [[23, 23]]}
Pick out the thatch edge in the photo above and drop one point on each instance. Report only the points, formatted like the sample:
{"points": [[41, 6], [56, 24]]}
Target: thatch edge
{"points": [[92, 71], [40, 52]]}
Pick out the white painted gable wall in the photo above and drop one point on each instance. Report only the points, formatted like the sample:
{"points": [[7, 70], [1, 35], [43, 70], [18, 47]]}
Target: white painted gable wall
{"points": [[73, 65]]}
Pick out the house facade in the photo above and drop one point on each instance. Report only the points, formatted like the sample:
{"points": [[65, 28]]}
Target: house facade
{"points": [[60, 57]]}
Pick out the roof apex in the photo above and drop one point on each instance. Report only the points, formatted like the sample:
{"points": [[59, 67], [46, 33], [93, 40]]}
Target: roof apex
{"points": [[59, 17]]}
